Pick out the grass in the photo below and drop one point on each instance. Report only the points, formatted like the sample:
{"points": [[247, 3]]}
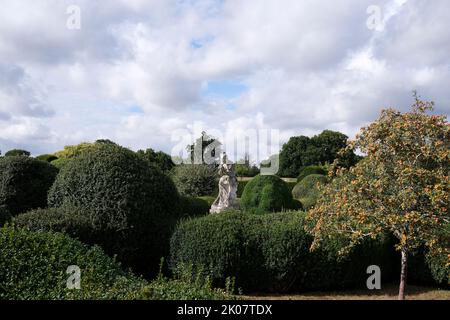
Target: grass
{"points": [[387, 292]]}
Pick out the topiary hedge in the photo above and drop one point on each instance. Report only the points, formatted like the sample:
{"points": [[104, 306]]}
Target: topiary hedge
{"points": [[24, 183], [47, 157], [191, 207], [196, 180], [67, 219], [267, 192], [308, 170], [271, 253], [34, 265], [307, 190], [131, 205]]}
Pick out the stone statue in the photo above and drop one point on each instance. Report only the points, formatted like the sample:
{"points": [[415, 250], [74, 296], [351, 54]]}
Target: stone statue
{"points": [[227, 198]]}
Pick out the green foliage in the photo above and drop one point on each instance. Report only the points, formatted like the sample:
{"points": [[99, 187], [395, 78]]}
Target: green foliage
{"points": [[191, 207], [241, 187], [195, 180], [306, 171], [267, 192], [303, 151], [209, 200], [5, 216], [33, 265], [17, 153], [400, 187], [245, 169], [67, 219], [47, 157], [307, 190], [271, 253], [73, 151], [24, 183], [188, 284], [60, 163], [159, 159], [132, 206], [205, 150]]}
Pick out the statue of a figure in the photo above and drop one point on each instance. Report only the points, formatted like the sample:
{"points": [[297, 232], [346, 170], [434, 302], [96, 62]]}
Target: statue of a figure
{"points": [[227, 198]]}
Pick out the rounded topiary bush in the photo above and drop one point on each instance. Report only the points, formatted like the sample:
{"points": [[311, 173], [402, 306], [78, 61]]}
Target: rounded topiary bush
{"points": [[307, 190], [271, 253], [195, 180], [33, 265], [70, 220], [132, 206], [267, 192], [306, 171], [47, 157], [24, 183], [191, 207]]}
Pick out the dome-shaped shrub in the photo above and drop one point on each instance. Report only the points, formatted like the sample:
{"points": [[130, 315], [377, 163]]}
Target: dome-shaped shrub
{"points": [[33, 265], [24, 183], [307, 190], [306, 171], [267, 192], [131, 204]]}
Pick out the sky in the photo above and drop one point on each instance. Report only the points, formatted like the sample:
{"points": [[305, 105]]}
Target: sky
{"points": [[155, 73]]}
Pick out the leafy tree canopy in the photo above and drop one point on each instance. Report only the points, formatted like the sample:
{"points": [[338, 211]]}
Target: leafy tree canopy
{"points": [[401, 187]]}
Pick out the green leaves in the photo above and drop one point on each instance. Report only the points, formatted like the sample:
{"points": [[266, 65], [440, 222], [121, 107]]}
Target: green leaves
{"points": [[401, 187]]}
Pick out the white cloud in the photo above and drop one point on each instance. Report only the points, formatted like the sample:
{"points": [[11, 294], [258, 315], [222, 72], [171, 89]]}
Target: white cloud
{"points": [[307, 66]]}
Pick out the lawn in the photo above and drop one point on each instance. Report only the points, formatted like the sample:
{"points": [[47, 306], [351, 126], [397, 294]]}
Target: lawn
{"points": [[388, 292]]}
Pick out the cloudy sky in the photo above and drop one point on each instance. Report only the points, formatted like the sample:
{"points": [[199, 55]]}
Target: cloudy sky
{"points": [[143, 72]]}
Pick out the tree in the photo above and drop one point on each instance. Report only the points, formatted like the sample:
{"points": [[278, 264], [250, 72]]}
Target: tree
{"points": [[401, 187], [17, 152], [245, 169], [321, 149], [205, 150], [160, 159]]}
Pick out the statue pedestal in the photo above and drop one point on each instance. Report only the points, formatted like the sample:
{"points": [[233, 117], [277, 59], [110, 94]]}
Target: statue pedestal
{"points": [[219, 208]]}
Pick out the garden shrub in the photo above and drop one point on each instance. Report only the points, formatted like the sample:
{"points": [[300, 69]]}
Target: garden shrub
{"points": [[66, 218], [307, 190], [271, 253], [33, 265], [187, 284], [306, 171], [132, 206], [208, 199], [241, 187], [24, 183], [196, 180], [47, 157], [267, 192], [5, 216], [191, 207]]}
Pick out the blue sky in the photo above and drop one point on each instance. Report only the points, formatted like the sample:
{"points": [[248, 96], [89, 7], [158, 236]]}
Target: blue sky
{"points": [[144, 72]]}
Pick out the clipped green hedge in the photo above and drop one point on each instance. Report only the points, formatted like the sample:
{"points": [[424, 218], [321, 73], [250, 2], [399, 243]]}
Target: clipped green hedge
{"points": [[306, 171], [67, 219], [24, 183], [270, 253], [33, 265], [47, 157], [195, 180], [307, 190], [132, 206], [241, 187], [191, 207], [269, 193]]}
